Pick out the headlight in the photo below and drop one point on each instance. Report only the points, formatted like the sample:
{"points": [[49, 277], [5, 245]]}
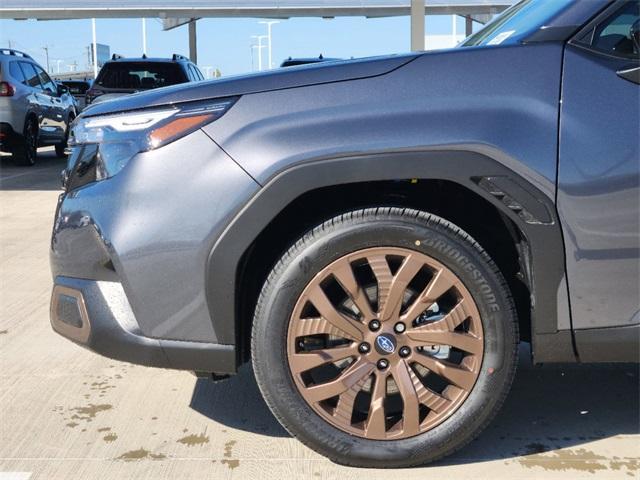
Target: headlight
{"points": [[101, 146]]}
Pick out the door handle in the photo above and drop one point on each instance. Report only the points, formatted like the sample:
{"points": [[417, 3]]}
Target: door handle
{"points": [[630, 74]]}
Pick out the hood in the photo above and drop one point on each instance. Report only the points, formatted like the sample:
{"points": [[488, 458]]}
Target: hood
{"points": [[292, 77]]}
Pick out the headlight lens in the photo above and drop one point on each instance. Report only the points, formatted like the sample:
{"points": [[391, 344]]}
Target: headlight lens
{"points": [[101, 146]]}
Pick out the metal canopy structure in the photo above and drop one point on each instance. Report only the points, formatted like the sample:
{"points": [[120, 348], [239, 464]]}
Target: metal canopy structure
{"points": [[73, 9], [176, 13]]}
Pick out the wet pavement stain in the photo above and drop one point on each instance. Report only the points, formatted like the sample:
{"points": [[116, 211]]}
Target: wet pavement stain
{"points": [[140, 454], [228, 448], [632, 465], [111, 437], [72, 424], [89, 412], [581, 460], [101, 386], [4, 332], [231, 463], [104, 429], [193, 439], [228, 452]]}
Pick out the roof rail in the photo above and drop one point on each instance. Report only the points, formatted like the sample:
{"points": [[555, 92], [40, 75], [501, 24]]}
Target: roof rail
{"points": [[116, 56], [177, 57], [11, 51]]}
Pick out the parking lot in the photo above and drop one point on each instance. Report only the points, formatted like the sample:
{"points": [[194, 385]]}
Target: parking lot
{"points": [[68, 414]]}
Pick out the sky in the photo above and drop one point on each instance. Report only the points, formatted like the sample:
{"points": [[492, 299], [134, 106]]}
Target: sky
{"points": [[223, 43]]}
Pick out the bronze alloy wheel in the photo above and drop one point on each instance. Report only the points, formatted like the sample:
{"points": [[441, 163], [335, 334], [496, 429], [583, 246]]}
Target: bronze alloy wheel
{"points": [[385, 343]]}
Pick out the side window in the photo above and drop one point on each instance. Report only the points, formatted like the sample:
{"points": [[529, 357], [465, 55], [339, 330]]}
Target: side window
{"points": [[46, 82], [199, 73], [16, 72], [615, 35], [30, 74]]}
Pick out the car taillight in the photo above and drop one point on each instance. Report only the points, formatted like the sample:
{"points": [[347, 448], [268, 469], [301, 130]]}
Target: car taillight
{"points": [[7, 90]]}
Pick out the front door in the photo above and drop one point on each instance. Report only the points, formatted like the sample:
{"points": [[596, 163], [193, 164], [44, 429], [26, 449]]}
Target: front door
{"points": [[599, 170]]}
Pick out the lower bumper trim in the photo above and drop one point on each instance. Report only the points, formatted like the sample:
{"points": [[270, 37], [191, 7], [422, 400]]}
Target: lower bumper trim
{"points": [[97, 315]]}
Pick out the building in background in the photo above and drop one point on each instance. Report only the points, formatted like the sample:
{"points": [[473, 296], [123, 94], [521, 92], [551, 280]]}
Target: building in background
{"points": [[103, 54]]}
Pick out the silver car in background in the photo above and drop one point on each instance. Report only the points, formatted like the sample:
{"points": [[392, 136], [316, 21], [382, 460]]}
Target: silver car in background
{"points": [[34, 110]]}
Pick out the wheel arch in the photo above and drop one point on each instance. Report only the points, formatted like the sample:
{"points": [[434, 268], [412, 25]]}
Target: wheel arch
{"points": [[527, 214]]}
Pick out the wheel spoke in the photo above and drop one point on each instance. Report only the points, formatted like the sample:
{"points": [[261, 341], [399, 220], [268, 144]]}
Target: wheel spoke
{"points": [[350, 328], [441, 332], [346, 400], [453, 373], [376, 424], [344, 274], [350, 377], [301, 362], [435, 402], [462, 341], [391, 288], [410, 410], [441, 282], [315, 326]]}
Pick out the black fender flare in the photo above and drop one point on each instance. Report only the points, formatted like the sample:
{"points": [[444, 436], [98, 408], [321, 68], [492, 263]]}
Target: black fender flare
{"points": [[531, 210]]}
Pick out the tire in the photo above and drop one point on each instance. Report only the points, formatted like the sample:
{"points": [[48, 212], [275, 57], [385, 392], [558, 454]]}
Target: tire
{"points": [[289, 304], [26, 151]]}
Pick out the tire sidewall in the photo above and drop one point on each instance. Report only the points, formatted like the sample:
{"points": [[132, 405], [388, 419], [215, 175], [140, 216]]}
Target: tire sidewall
{"points": [[428, 235], [23, 152]]}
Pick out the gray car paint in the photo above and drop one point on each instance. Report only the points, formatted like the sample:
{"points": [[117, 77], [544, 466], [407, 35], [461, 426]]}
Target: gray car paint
{"points": [[289, 78], [162, 214], [439, 103], [157, 233], [599, 189]]}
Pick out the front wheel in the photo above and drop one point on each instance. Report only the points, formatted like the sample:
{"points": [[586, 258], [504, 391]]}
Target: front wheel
{"points": [[385, 338]]}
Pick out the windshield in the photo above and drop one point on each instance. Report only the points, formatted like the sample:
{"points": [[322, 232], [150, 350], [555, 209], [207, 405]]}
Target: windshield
{"points": [[517, 22], [139, 75]]}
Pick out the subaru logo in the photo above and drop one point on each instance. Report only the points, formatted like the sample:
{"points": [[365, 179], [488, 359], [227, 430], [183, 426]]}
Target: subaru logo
{"points": [[385, 344]]}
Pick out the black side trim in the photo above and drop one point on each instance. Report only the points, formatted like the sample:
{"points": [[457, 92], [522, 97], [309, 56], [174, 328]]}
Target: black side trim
{"points": [[545, 240], [616, 344], [552, 34], [516, 198]]}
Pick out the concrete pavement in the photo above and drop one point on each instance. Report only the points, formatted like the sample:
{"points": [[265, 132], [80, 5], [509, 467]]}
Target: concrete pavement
{"points": [[66, 413]]}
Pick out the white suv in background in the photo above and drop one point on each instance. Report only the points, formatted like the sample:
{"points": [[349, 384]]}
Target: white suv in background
{"points": [[34, 110]]}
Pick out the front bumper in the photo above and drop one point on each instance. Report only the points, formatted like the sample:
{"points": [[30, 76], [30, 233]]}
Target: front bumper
{"points": [[97, 315], [129, 257]]}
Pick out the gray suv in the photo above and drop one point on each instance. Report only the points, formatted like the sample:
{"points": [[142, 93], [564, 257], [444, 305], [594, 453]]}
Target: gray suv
{"points": [[376, 236], [34, 110]]}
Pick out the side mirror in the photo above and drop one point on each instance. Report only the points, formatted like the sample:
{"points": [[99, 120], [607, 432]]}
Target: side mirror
{"points": [[62, 89], [634, 32]]}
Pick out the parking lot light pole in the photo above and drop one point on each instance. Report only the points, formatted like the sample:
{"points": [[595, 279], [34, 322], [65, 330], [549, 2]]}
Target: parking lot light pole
{"points": [[144, 36], [260, 47], [269, 24], [95, 49], [193, 42]]}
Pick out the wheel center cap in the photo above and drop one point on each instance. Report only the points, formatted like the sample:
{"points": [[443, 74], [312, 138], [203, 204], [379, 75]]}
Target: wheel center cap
{"points": [[385, 344]]}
